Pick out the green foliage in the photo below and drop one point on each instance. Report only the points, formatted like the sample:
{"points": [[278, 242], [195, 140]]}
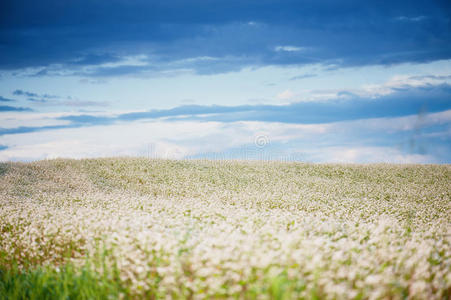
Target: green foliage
{"points": [[67, 282]]}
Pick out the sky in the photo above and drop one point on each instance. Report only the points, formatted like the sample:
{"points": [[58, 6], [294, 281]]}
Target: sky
{"points": [[311, 81]]}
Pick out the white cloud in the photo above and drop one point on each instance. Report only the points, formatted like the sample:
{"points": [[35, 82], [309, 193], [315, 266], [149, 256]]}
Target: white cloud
{"points": [[134, 60], [410, 19], [372, 91], [97, 141], [285, 95], [400, 81], [14, 120], [169, 139], [398, 124], [289, 48], [194, 60], [369, 155], [166, 139]]}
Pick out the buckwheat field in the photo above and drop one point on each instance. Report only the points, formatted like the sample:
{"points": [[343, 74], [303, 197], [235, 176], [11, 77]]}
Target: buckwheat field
{"points": [[149, 228]]}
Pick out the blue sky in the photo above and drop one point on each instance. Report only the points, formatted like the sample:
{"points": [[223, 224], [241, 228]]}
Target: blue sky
{"points": [[317, 81]]}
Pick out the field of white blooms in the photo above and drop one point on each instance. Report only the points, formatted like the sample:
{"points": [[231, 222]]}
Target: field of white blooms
{"points": [[197, 229]]}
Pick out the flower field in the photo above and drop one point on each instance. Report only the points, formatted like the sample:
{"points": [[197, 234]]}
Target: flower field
{"points": [[135, 228]]}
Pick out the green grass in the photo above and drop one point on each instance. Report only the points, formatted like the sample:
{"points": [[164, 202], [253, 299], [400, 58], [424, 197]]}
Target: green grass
{"points": [[68, 282]]}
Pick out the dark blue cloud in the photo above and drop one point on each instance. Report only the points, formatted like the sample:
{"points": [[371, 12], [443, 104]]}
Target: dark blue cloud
{"points": [[3, 147], [3, 99], [33, 95], [435, 77], [25, 129], [37, 100], [24, 93], [54, 100], [402, 102], [238, 33], [303, 76], [13, 108], [88, 120]]}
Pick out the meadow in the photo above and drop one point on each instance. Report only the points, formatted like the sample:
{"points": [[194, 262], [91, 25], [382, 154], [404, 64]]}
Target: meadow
{"points": [[130, 228]]}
